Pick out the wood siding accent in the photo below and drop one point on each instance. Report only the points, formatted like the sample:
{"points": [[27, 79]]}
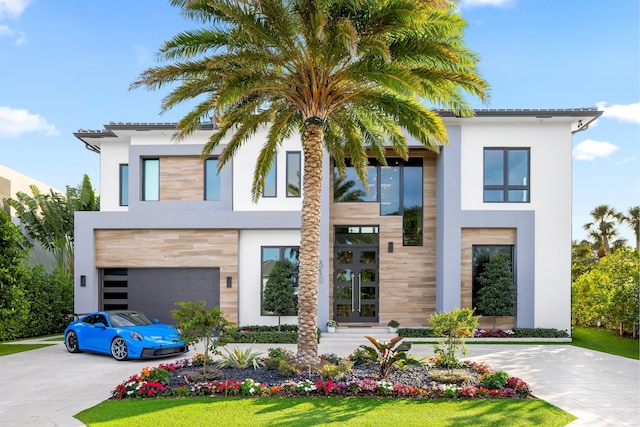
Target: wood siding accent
{"points": [[175, 248], [5, 190], [181, 178], [407, 276], [478, 236]]}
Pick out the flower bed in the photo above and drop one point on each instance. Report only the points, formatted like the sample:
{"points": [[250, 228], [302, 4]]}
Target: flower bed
{"points": [[169, 380]]}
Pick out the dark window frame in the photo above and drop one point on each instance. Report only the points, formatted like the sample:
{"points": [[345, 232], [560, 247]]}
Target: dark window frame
{"points": [[121, 198], [281, 251], [274, 170], [206, 171], [144, 179], [289, 162], [506, 187]]}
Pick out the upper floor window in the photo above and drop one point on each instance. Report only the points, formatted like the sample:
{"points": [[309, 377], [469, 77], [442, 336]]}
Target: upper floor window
{"points": [[294, 181], [270, 180], [398, 188], [211, 180], [124, 184], [151, 179], [506, 175]]}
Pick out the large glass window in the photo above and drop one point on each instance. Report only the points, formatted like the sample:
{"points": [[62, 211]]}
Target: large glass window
{"points": [[270, 181], [412, 203], [211, 180], [482, 255], [294, 183], [124, 185], [506, 175], [271, 255], [151, 179], [350, 189]]}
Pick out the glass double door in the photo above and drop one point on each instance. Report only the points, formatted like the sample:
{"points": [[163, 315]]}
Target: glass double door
{"points": [[355, 283]]}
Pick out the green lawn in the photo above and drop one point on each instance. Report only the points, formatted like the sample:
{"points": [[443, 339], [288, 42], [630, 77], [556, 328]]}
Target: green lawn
{"points": [[606, 341], [318, 411], [6, 349]]}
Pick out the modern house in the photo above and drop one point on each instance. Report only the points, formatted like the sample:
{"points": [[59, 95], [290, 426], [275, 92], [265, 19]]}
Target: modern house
{"points": [[172, 229]]}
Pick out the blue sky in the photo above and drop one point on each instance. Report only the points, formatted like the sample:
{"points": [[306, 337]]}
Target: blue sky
{"points": [[67, 65]]}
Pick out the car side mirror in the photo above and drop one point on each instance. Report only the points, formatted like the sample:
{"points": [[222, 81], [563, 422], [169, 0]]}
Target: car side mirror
{"points": [[100, 325], [155, 320]]}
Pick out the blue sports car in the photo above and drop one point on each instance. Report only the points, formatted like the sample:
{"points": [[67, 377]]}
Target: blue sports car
{"points": [[124, 335]]}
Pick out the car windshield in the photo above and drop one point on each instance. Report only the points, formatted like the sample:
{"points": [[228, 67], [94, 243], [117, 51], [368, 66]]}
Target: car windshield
{"points": [[130, 318]]}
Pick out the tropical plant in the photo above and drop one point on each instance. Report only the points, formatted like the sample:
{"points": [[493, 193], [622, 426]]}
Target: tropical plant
{"points": [[279, 297], [496, 380], [584, 256], [602, 228], [196, 324], [240, 359], [387, 355], [14, 306], [632, 219], [49, 218], [350, 77], [454, 326], [497, 296]]}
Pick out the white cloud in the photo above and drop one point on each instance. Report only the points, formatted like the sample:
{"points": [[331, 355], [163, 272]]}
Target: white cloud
{"points": [[143, 54], [5, 30], [624, 113], [480, 3], [590, 150], [12, 8], [14, 122]]}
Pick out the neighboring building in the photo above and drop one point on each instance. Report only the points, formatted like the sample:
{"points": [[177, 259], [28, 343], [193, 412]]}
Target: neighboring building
{"points": [[11, 183], [171, 229]]}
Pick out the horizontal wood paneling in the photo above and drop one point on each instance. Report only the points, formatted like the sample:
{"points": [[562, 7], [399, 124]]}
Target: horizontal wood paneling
{"points": [[478, 236], [181, 178], [407, 276], [175, 248]]}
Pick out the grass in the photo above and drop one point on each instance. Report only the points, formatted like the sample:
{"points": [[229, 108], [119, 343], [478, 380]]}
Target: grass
{"points": [[606, 341], [323, 412], [6, 349]]}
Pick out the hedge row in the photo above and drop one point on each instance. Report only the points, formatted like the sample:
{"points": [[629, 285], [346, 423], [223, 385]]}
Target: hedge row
{"points": [[518, 333]]}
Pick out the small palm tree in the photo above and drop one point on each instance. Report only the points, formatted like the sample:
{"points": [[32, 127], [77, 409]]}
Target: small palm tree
{"points": [[352, 77], [602, 227]]}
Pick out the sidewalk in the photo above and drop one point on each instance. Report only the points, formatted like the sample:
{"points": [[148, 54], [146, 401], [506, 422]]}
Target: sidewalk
{"points": [[48, 386]]}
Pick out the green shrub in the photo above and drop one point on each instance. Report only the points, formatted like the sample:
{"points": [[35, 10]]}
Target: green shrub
{"points": [[494, 380], [360, 357], [263, 334], [50, 297], [454, 326], [451, 376], [539, 333], [241, 359], [287, 368], [335, 371], [416, 332]]}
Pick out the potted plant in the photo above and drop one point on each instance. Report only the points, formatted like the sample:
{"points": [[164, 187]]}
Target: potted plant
{"points": [[393, 326], [331, 326]]}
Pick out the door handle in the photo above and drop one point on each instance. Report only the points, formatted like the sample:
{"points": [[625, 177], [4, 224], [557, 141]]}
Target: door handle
{"points": [[359, 299], [353, 294]]}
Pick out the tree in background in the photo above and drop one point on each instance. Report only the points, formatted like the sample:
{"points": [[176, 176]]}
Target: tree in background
{"points": [[584, 256], [632, 219], [14, 306], [279, 297], [602, 229], [49, 218], [608, 295], [350, 77]]}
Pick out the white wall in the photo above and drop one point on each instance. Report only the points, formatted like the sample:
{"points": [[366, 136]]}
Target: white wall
{"points": [[243, 167], [550, 198], [112, 154], [249, 275]]}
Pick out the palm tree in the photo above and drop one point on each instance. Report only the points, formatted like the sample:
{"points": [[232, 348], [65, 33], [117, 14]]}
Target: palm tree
{"points": [[603, 227], [350, 76], [632, 218]]}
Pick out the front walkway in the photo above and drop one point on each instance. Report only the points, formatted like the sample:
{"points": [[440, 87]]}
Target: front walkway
{"points": [[46, 387]]}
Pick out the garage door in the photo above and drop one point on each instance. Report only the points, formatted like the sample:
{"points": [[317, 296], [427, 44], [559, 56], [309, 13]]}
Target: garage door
{"points": [[156, 290]]}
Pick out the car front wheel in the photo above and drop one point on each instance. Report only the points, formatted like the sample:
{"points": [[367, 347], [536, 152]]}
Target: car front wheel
{"points": [[71, 342], [119, 349]]}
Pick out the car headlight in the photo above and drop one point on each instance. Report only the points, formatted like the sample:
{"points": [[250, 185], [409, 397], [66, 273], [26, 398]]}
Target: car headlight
{"points": [[136, 336]]}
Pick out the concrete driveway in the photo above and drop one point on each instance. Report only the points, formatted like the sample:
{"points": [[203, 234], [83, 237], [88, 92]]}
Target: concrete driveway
{"points": [[46, 387]]}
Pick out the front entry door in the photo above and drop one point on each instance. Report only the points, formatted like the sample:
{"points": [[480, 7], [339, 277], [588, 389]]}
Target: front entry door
{"points": [[355, 283]]}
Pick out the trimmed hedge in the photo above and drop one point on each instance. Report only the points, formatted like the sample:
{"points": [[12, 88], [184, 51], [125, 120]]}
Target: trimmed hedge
{"points": [[258, 334], [518, 333]]}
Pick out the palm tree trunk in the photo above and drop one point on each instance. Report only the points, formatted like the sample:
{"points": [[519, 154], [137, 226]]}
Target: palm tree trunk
{"points": [[309, 246]]}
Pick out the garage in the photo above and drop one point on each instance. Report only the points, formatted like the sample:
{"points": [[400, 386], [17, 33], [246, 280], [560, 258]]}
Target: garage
{"points": [[156, 290]]}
